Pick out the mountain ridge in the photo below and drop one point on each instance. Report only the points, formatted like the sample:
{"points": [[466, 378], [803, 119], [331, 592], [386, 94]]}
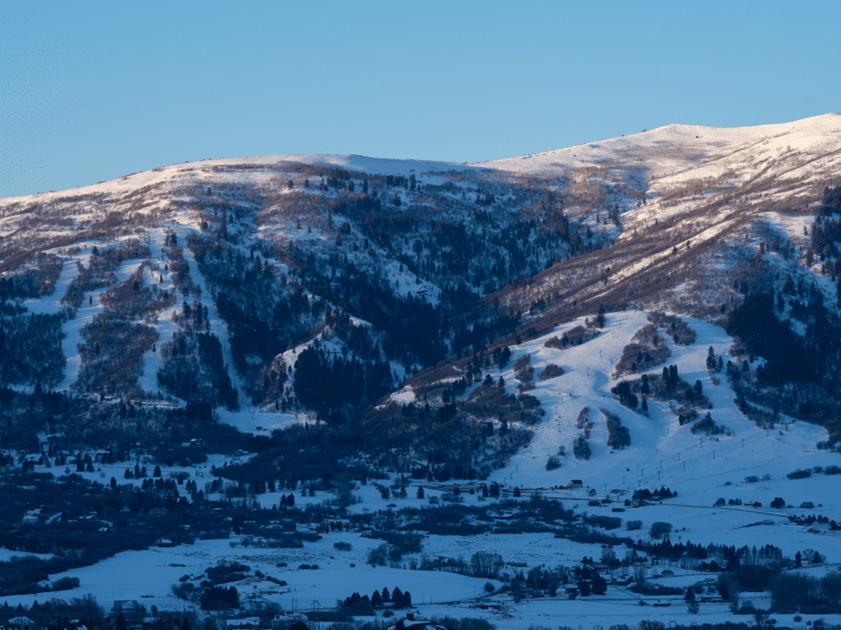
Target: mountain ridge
{"points": [[404, 166], [475, 255]]}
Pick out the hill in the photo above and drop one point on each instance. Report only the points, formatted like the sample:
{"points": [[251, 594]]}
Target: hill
{"points": [[646, 319]]}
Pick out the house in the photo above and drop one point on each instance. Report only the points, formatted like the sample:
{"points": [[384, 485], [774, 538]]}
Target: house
{"points": [[409, 621], [575, 483], [246, 623], [622, 580], [667, 573], [125, 604]]}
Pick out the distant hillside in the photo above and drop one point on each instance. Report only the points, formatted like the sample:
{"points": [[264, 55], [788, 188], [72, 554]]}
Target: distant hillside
{"points": [[376, 296]]}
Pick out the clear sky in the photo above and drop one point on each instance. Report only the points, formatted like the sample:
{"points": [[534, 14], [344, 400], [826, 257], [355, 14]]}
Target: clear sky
{"points": [[95, 90]]}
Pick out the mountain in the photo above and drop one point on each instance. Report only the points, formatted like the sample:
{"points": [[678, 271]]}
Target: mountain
{"points": [[265, 290], [634, 343]]}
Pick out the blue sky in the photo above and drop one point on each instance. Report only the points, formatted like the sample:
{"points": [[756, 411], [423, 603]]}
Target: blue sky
{"points": [[95, 90]]}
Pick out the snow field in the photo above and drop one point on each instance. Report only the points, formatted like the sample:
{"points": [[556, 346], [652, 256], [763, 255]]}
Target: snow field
{"points": [[662, 453], [148, 575]]}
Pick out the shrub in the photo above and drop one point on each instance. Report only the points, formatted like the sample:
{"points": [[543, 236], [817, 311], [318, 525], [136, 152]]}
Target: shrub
{"points": [[553, 463], [644, 352], [708, 426], [342, 546], [379, 555], [605, 522], [660, 529], [551, 371], [751, 479], [799, 474], [219, 598], [676, 328], [465, 623], [623, 392], [832, 470], [555, 342], [65, 584], [581, 448], [778, 502], [618, 436], [633, 525]]}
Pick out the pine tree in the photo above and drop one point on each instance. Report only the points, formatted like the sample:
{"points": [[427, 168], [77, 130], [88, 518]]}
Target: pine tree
{"points": [[711, 359]]}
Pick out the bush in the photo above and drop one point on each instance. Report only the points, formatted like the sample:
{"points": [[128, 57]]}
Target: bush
{"points": [[65, 584], [553, 463], [832, 470], [799, 474], [649, 588], [633, 525], [465, 623], [778, 503], [618, 436], [751, 479], [379, 555], [605, 522], [660, 529], [551, 371], [623, 392], [342, 546], [219, 598], [233, 572], [581, 448]]}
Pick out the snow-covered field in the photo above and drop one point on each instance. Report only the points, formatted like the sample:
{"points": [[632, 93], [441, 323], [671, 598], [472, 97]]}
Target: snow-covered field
{"points": [[662, 453]]}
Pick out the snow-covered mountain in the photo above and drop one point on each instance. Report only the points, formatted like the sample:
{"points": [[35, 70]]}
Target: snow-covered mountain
{"points": [[203, 285], [648, 319]]}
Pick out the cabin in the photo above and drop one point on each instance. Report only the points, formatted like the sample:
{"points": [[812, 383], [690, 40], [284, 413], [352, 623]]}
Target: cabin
{"points": [[622, 580], [575, 483]]}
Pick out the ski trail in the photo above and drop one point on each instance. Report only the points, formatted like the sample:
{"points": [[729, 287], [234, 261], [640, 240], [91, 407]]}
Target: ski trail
{"points": [[166, 326]]}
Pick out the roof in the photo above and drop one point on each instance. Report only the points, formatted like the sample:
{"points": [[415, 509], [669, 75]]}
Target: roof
{"points": [[417, 624]]}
